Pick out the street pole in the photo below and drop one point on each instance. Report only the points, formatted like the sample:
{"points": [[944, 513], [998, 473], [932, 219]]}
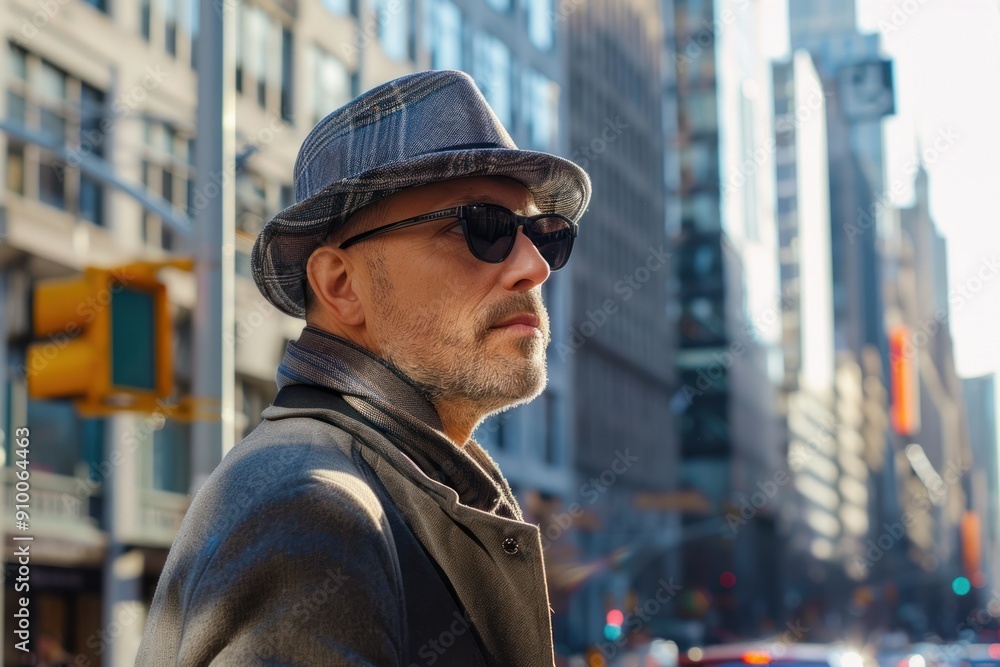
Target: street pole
{"points": [[213, 317]]}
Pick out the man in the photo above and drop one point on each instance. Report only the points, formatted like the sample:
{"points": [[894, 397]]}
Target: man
{"points": [[360, 523]]}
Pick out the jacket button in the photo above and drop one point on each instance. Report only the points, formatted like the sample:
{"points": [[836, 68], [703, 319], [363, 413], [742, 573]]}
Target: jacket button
{"points": [[510, 546]]}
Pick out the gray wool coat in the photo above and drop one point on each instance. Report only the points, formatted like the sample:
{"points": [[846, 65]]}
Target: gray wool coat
{"points": [[285, 558]]}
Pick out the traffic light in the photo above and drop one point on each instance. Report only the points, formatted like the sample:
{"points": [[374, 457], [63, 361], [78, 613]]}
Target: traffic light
{"points": [[613, 628], [108, 339]]}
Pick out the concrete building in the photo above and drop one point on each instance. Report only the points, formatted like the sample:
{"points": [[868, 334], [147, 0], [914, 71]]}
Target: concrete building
{"points": [[932, 456], [116, 80], [835, 403], [729, 332], [980, 397], [620, 339]]}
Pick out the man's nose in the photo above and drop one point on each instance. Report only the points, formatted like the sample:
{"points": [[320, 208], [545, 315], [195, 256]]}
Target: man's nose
{"points": [[524, 268]]}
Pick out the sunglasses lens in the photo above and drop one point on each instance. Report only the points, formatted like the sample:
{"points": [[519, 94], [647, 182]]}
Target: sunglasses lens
{"points": [[554, 239], [491, 233]]}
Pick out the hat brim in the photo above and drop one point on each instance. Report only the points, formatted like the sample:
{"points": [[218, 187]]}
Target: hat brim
{"points": [[279, 255]]}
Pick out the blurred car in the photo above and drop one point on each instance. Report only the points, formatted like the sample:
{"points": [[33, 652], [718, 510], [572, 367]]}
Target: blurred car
{"points": [[657, 653], [779, 654], [980, 655]]}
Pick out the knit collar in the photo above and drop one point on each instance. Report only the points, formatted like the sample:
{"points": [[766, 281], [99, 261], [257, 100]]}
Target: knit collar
{"points": [[404, 414]]}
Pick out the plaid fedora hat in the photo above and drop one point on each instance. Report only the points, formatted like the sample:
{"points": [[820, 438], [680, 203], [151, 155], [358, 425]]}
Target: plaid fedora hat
{"points": [[417, 129]]}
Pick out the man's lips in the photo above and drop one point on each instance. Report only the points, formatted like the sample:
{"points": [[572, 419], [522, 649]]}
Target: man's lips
{"points": [[526, 319]]}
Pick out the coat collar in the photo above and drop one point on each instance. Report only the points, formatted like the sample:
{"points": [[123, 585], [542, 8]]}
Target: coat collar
{"points": [[391, 401]]}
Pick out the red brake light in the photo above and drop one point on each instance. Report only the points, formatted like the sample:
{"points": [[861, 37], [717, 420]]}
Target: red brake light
{"points": [[757, 658]]}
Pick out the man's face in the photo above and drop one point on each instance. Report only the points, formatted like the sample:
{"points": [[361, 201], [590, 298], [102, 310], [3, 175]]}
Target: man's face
{"points": [[433, 309]]}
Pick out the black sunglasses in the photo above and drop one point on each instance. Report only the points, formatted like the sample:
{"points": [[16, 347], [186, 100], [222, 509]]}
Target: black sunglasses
{"points": [[490, 231]]}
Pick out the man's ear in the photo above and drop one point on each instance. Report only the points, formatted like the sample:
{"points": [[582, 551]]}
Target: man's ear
{"points": [[332, 277]]}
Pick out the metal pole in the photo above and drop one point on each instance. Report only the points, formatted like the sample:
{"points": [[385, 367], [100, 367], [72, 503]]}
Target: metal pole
{"points": [[213, 363]]}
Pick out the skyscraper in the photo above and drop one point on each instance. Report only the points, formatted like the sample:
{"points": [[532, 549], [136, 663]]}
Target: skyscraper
{"points": [[728, 323], [620, 340], [980, 398]]}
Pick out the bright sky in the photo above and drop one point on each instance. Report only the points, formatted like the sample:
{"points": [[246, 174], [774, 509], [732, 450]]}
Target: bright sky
{"points": [[947, 70]]}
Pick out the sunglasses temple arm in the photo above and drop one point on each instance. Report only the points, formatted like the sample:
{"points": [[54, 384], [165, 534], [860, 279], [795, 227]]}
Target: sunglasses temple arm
{"points": [[430, 217]]}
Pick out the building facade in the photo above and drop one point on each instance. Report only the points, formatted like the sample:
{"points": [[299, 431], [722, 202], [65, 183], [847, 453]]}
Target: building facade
{"points": [[728, 358], [620, 340], [980, 397], [117, 81]]}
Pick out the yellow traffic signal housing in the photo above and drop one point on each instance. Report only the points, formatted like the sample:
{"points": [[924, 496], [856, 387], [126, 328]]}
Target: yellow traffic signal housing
{"points": [[109, 339]]}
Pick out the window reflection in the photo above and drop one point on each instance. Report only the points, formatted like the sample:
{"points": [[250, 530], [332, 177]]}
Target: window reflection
{"points": [[393, 20], [491, 69], [539, 109], [540, 23], [331, 83], [443, 34]]}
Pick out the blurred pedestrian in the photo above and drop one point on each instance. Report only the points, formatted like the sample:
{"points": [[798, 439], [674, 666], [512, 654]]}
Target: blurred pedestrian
{"points": [[360, 523]]}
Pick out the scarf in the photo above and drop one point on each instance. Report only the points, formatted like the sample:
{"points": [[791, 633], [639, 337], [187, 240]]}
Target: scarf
{"points": [[403, 413]]}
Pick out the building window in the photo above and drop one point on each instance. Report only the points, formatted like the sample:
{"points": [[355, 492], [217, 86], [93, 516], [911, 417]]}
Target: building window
{"points": [[253, 398], [702, 210], [167, 172], [699, 164], [251, 203], [540, 30], [170, 26], [338, 7], [491, 433], [491, 68], [331, 83], [146, 19], [702, 321], [443, 34], [698, 112], [98, 4], [194, 8], [287, 76], [551, 443], [70, 113], [392, 18], [539, 110], [264, 64], [172, 458]]}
